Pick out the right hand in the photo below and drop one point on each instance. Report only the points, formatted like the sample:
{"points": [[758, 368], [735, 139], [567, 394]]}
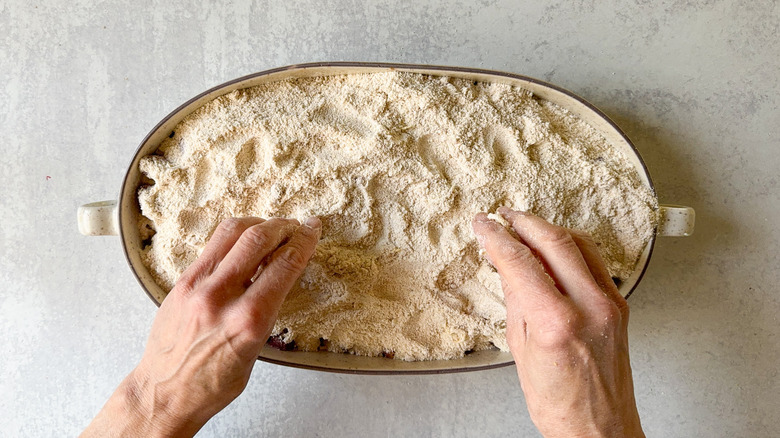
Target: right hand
{"points": [[567, 327]]}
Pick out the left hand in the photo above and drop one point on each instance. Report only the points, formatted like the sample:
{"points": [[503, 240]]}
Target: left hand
{"points": [[210, 329]]}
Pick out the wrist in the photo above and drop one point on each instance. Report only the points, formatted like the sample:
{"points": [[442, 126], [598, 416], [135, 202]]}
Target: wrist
{"points": [[154, 407], [135, 409]]}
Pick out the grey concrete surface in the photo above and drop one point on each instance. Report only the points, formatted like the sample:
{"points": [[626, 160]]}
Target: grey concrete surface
{"points": [[694, 83]]}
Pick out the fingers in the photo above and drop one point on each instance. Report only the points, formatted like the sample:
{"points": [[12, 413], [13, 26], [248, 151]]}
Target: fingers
{"points": [[254, 245], [559, 252], [286, 265], [220, 243], [590, 252], [529, 286]]}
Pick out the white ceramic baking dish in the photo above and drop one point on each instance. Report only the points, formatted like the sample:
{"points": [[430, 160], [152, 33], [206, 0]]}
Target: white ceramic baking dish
{"points": [[121, 216]]}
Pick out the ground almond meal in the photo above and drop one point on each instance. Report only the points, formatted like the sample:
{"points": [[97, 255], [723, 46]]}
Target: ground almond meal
{"points": [[395, 165]]}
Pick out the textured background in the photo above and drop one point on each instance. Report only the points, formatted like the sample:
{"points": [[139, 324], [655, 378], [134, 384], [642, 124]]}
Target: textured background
{"points": [[694, 83]]}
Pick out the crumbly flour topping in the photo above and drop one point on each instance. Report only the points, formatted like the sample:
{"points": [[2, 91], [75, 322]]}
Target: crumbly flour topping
{"points": [[395, 165]]}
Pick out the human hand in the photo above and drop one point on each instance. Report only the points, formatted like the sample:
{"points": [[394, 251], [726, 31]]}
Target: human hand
{"points": [[567, 327], [210, 329]]}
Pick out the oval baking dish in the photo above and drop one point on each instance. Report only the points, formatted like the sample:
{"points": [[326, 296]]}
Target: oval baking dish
{"points": [[121, 216]]}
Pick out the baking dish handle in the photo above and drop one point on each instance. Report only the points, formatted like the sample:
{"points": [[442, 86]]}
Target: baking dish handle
{"points": [[99, 219], [675, 220]]}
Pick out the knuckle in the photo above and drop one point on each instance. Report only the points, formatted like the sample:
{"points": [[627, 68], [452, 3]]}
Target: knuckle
{"points": [[256, 318], [611, 313], [226, 274], [550, 339], [193, 275], [203, 304], [253, 316], [559, 330], [229, 225], [255, 237], [558, 236], [292, 259], [516, 253], [185, 284], [248, 325], [608, 314]]}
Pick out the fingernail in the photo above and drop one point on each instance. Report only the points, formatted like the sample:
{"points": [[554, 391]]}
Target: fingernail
{"points": [[288, 220], [506, 212], [482, 217], [313, 222]]}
